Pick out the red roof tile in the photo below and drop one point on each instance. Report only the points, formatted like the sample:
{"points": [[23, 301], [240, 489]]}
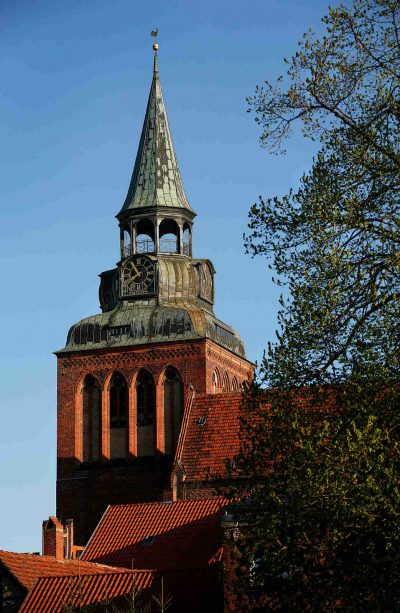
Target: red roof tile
{"points": [[51, 594], [27, 567], [209, 442], [185, 534]]}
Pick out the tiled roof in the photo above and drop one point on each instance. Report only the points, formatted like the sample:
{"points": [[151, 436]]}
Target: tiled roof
{"points": [[185, 534], [212, 435], [156, 179], [51, 594], [27, 567]]}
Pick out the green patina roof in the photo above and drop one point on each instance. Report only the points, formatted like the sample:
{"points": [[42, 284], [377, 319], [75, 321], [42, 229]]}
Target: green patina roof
{"points": [[138, 324], [156, 179]]}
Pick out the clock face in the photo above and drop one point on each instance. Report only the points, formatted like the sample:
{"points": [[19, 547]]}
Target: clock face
{"points": [[138, 277], [206, 283]]}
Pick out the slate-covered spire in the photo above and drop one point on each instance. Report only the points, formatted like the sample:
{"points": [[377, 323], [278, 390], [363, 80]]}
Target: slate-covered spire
{"points": [[156, 179]]}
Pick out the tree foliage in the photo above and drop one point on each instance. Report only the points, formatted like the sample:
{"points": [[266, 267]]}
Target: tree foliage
{"points": [[320, 449], [335, 241], [320, 528]]}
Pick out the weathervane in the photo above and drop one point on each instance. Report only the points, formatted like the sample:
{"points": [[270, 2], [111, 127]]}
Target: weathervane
{"points": [[154, 33]]}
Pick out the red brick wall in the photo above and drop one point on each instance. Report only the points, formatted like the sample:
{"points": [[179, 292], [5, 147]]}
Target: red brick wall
{"points": [[84, 491]]}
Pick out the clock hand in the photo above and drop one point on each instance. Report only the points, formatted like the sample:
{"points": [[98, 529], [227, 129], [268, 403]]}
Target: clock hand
{"points": [[134, 273], [133, 277]]}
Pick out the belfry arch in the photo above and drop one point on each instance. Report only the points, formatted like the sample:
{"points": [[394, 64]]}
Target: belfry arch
{"points": [[187, 240], [126, 241], [144, 236], [169, 236]]}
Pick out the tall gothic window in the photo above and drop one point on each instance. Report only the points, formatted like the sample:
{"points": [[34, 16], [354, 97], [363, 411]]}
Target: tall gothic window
{"points": [[118, 416], [146, 405], [91, 436], [173, 408], [225, 383], [235, 385], [216, 381]]}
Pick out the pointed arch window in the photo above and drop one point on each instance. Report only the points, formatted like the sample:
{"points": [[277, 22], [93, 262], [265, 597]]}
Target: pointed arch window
{"points": [[216, 381], [173, 408], [225, 383], [118, 416], [91, 419], [146, 408], [235, 385]]}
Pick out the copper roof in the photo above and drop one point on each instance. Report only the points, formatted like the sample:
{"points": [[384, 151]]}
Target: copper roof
{"points": [[185, 534], [52, 594], [156, 179], [27, 567]]}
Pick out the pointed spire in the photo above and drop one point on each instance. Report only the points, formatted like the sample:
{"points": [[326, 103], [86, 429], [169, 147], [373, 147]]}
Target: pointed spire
{"points": [[156, 179]]}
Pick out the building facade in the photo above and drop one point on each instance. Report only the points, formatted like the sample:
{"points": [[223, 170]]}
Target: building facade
{"points": [[128, 376]]}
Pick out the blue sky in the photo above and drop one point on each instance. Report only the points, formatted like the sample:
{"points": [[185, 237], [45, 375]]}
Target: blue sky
{"points": [[75, 78]]}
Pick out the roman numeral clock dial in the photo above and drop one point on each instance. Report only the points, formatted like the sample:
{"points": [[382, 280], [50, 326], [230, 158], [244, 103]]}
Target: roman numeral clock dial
{"points": [[138, 277]]}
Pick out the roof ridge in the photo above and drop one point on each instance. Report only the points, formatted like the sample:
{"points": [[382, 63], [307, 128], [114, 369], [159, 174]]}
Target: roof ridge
{"points": [[118, 570], [163, 503]]}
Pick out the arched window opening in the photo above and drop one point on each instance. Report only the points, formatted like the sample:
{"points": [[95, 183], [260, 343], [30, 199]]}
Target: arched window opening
{"points": [[146, 409], [169, 236], [173, 408], [225, 383], [145, 236], [118, 416], [235, 385], [216, 381], [186, 239], [91, 419], [127, 242]]}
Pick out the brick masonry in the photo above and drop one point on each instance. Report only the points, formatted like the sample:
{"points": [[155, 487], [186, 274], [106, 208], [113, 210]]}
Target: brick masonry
{"points": [[84, 490]]}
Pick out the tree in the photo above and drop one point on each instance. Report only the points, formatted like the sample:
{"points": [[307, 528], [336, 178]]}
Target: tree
{"points": [[320, 448], [335, 241]]}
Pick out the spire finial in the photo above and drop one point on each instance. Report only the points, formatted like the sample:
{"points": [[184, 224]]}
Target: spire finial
{"points": [[155, 47]]}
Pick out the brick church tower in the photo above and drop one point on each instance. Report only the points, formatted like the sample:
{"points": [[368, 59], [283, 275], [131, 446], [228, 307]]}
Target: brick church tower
{"points": [[128, 373]]}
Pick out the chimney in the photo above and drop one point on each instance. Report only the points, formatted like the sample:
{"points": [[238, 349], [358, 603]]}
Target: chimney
{"points": [[53, 538]]}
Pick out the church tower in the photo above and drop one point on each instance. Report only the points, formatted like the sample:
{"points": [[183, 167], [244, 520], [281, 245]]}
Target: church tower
{"points": [[127, 374]]}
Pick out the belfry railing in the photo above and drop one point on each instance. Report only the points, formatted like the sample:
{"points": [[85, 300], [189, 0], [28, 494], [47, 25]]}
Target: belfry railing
{"points": [[144, 246], [168, 245], [128, 250]]}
